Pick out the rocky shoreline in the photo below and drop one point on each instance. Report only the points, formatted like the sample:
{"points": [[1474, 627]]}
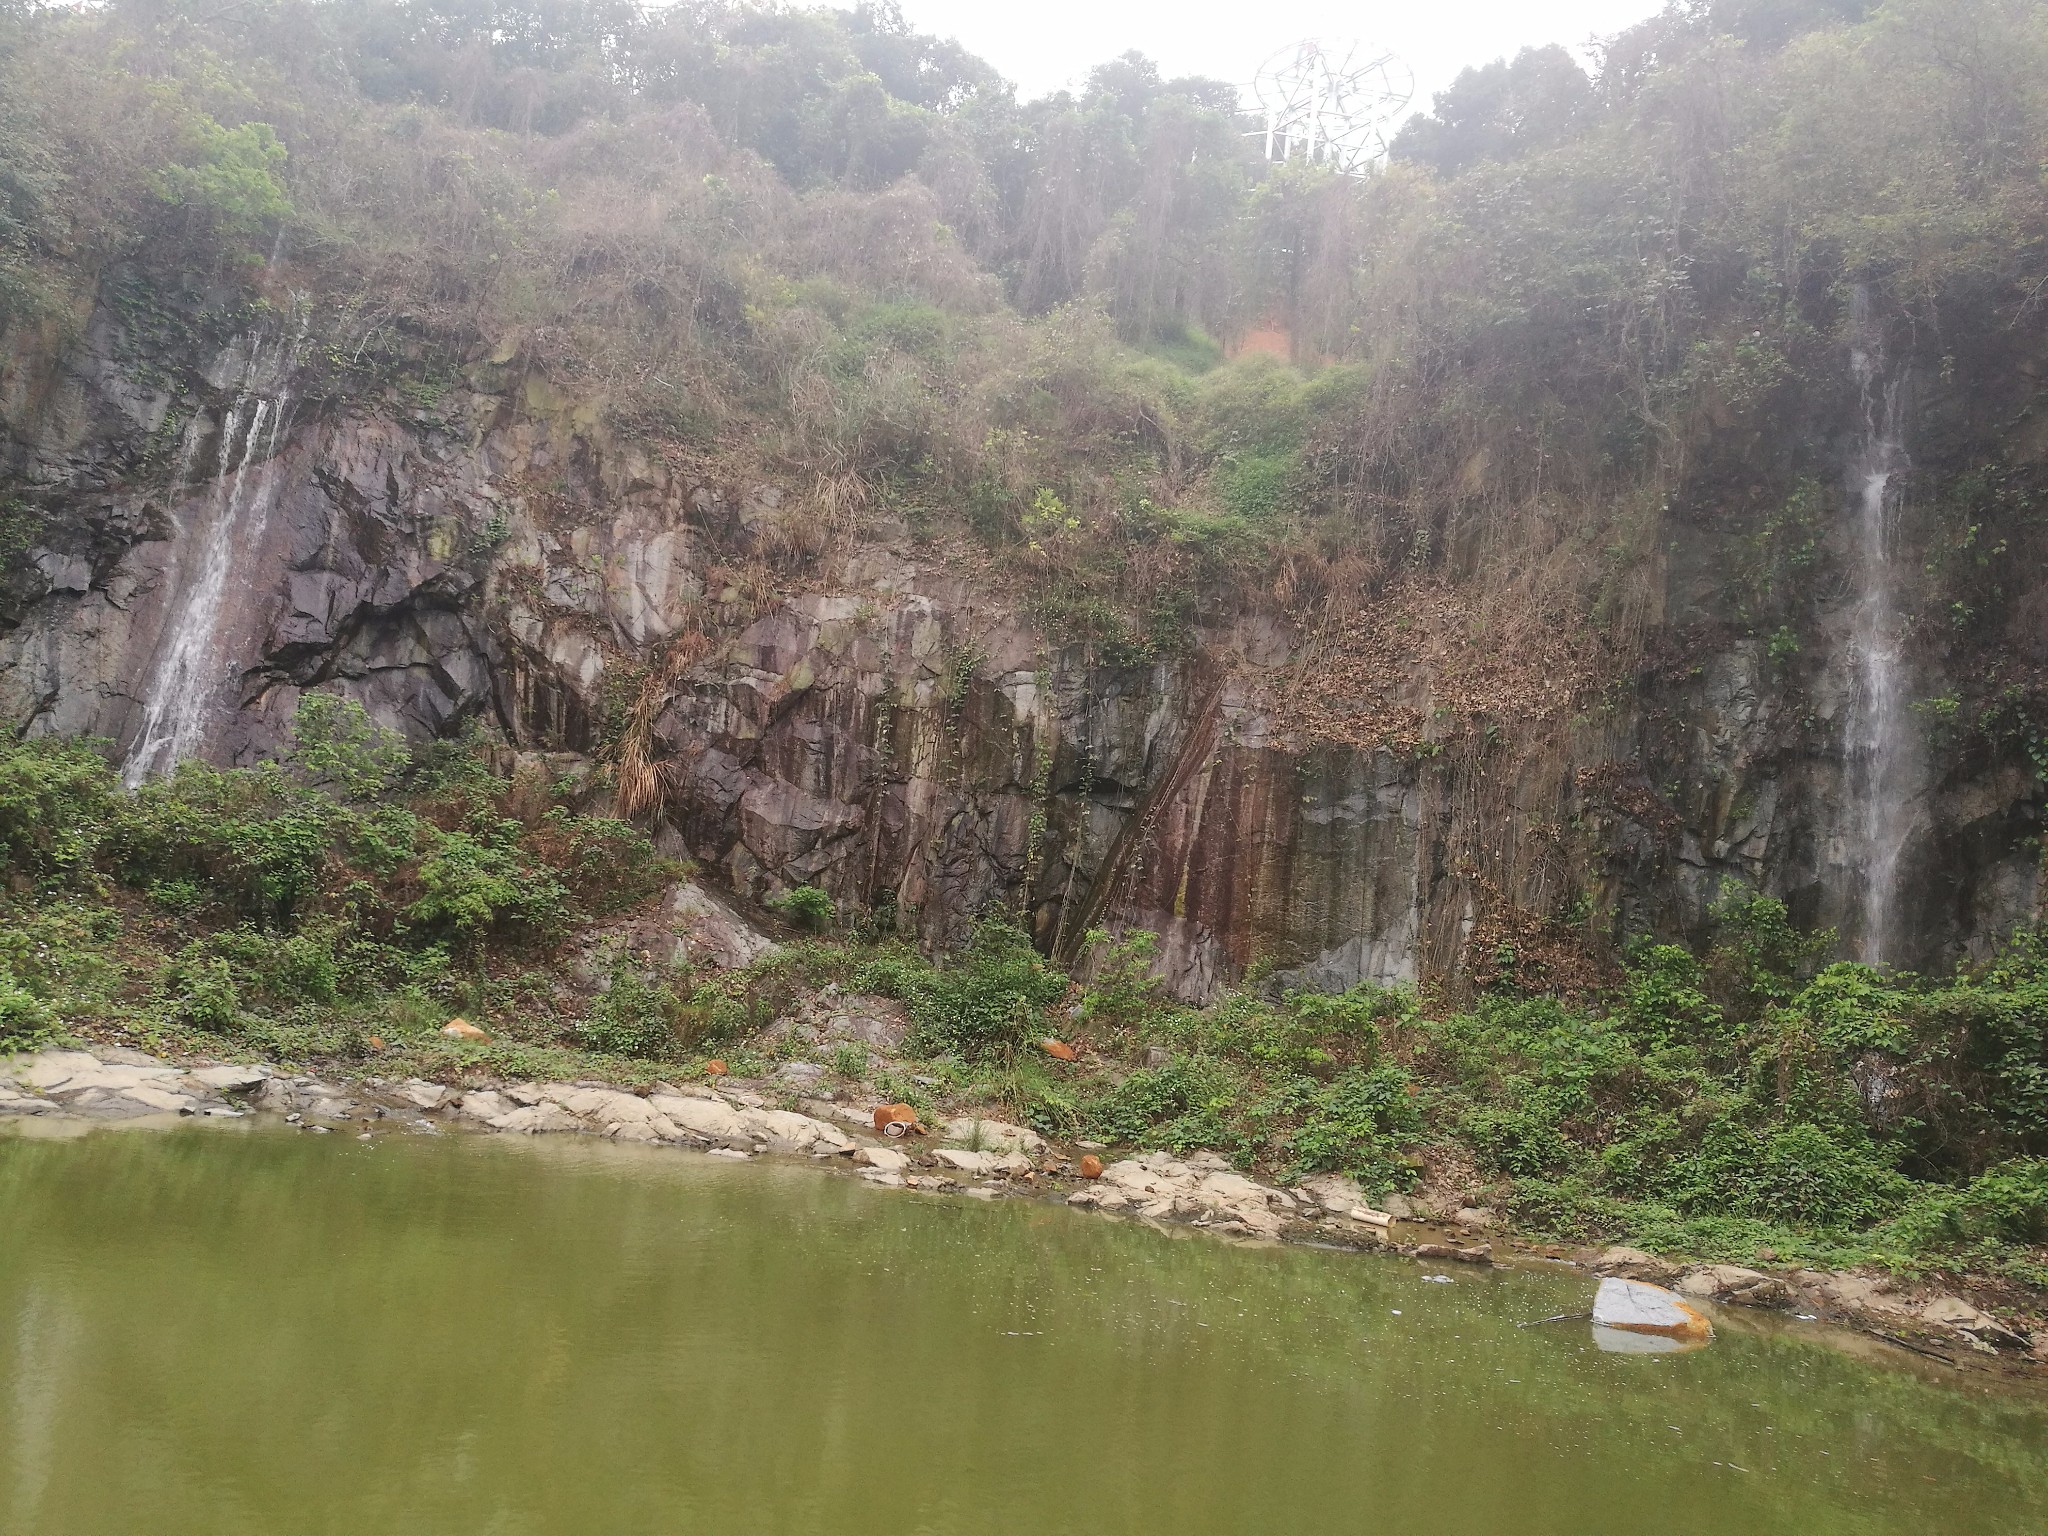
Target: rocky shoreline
{"points": [[980, 1158]]}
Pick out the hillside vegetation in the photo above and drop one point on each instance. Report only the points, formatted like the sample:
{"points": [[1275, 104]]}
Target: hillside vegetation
{"points": [[825, 242], [821, 246]]}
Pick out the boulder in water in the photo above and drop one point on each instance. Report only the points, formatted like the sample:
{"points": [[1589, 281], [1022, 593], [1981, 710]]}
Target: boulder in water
{"points": [[1631, 1306]]}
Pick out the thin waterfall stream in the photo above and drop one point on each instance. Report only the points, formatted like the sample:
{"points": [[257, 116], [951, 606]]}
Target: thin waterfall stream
{"points": [[190, 670], [1883, 763]]}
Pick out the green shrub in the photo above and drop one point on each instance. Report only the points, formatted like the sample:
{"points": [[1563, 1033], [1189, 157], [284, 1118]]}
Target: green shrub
{"points": [[603, 864], [335, 743], [985, 999], [257, 839], [53, 800], [807, 907], [1124, 991], [1255, 487], [1187, 1104], [1359, 1123], [472, 886], [181, 897], [2007, 1204], [1759, 954], [26, 1021], [280, 968], [204, 993], [633, 1017], [1666, 997], [1818, 1177]]}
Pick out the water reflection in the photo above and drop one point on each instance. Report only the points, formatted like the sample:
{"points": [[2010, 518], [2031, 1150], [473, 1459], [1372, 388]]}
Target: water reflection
{"points": [[228, 1330]]}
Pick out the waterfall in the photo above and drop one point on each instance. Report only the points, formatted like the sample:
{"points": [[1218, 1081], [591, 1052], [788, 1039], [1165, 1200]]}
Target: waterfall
{"points": [[189, 670], [1882, 755]]}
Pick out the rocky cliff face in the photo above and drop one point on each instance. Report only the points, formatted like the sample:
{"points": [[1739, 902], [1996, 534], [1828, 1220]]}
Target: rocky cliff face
{"points": [[860, 716]]}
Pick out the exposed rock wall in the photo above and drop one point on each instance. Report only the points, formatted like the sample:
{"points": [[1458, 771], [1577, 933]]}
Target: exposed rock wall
{"points": [[878, 727]]}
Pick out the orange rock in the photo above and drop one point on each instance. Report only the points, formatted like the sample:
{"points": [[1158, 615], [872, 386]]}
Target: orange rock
{"points": [[1091, 1167], [716, 1069], [462, 1029], [1059, 1050], [888, 1115]]}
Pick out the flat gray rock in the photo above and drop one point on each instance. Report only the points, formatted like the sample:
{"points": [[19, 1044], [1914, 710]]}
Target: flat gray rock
{"points": [[1634, 1307], [230, 1079]]}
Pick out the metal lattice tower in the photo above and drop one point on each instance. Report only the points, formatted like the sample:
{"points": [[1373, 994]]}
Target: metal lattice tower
{"points": [[1330, 103]]}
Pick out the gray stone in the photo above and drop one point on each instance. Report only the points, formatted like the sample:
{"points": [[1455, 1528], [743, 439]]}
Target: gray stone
{"points": [[706, 1119], [1954, 1312], [784, 1130], [1733, 1283], [539, 1119], [982, 1164], [1334, 1193], [1632, 1306], [277, 1095], [231, 1079], [1634, 1264], [158, 1099], [485, 1105], [992, 1135], [423, 1095]]}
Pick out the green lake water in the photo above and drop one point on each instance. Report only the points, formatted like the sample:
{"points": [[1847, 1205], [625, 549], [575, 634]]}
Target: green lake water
{"points": [[250, 1330]]}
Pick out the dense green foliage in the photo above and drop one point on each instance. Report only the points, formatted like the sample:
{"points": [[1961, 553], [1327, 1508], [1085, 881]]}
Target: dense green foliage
{"points": [[1724, 1106], [983, 1001], [238, 899]]}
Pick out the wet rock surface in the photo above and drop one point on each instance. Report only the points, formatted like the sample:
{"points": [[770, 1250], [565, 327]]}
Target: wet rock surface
{"points": [[883, 727]]}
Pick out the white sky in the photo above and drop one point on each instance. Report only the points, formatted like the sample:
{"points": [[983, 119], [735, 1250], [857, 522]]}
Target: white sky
{"points": [[1045, 44]]}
